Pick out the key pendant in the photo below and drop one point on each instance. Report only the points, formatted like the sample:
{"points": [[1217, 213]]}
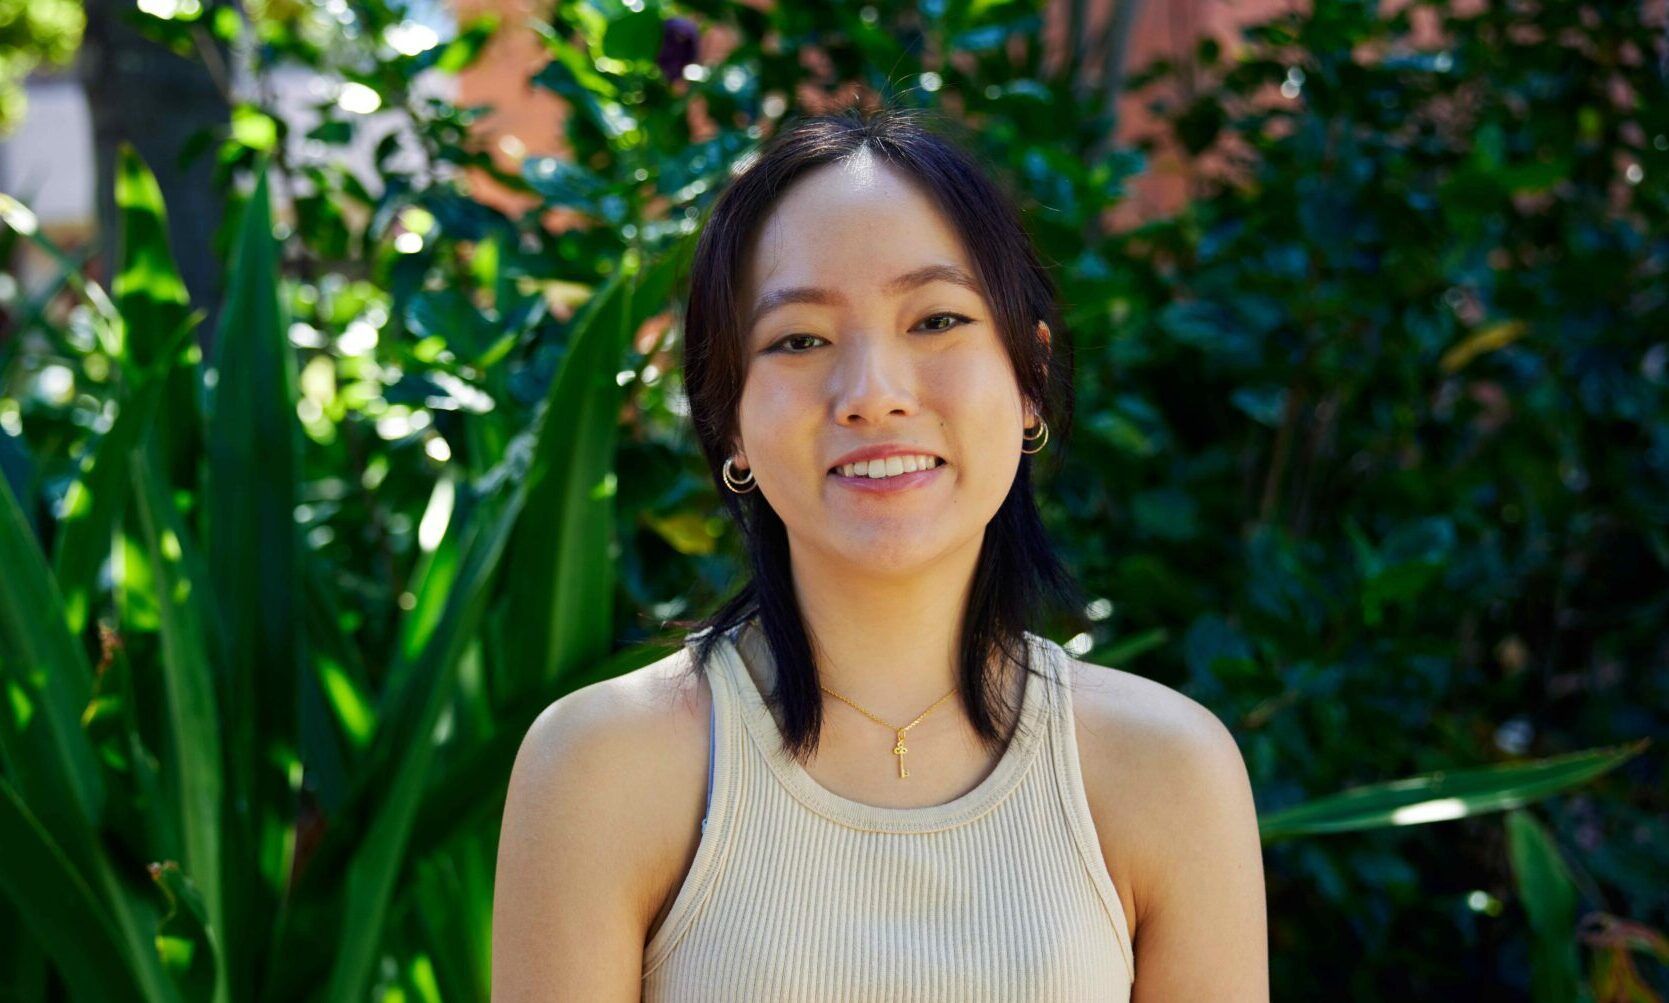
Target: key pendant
{"points": [[899, 750]]}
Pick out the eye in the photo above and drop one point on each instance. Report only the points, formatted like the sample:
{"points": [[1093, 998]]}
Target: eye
{"points": [[958, 318], [781, 342]]}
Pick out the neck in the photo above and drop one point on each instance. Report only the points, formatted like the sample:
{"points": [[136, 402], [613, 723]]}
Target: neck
{"points": [[890, 644]]}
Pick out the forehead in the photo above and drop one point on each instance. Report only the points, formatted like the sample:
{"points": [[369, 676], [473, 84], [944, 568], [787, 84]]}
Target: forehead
{"points": [[858, 223]]}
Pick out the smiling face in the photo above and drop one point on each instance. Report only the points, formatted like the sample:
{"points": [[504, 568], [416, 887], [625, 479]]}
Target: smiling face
{"points": [[868, 338]]}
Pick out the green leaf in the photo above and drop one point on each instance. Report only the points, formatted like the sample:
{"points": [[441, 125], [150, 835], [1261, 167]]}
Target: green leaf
{"points": [[150, 295], [58, 907], [565, 183], [571, 74], [254, 128], [561, 593], [183, 940], [338, 716], [191, 752], [406, 755], [156, 325], [1549, 896], [453, 898], [635, 35], [94, 503], [1438, 797], [466, 47], [47, 684], [254, 556]]}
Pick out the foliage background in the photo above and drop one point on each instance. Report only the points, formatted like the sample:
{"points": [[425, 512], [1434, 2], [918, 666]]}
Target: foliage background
{"points": [[1373, 459]]}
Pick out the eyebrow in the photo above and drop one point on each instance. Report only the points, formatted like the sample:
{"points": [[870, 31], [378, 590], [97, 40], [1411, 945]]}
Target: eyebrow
{"points": [[913, 279]]}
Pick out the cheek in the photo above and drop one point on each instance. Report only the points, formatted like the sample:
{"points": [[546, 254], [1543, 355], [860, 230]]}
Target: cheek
{"points": [[977, 395], [771, 412]]}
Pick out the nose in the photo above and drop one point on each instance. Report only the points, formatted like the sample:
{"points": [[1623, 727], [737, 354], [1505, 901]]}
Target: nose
{"points": [[875, 379]]}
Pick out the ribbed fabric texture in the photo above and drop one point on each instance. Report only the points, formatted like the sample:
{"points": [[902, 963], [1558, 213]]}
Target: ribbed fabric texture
{"points": [[797, 894]]}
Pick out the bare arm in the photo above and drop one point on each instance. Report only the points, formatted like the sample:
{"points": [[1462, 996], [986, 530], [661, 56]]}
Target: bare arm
{"points": [[1204, 932], [568, 908]]}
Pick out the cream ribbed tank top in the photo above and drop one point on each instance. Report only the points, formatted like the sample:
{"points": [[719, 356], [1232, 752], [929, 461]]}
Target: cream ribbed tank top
{"points": [[798, 894]]}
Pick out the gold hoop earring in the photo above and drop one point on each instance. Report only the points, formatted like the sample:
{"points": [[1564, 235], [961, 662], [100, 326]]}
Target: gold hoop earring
{"points": [[741, 487], [1041, 438]]}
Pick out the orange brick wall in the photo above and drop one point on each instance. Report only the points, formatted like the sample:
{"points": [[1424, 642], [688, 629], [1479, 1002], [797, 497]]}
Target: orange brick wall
{"points": [[528, 120]]}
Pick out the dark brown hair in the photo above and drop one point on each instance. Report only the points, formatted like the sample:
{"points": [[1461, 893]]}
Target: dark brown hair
{"points": [[1017, 574]]}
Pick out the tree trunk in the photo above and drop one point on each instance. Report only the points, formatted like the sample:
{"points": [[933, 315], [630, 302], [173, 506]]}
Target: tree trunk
{"points": [[139, 92]]}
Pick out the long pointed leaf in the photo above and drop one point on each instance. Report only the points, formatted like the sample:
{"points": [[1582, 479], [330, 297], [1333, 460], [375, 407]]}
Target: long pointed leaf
{"points": [[94, 503], [565, 541], [149, 293], [254, 556], [192, 750], [1445, 795], [337, 715], [60, 910], [1549, 897], [47, 684], [183, 938], [153, 303], [561, 592]]}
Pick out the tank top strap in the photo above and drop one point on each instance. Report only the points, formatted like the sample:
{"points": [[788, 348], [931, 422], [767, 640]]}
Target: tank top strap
{"points": [[720, 705], [729, 771], [1067, 769]]}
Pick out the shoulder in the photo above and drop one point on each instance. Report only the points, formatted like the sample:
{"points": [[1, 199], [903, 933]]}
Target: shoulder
{"points": [[604, 774], [1172, 802], [605, 734], [600, 789], [1163, 726], [1163, 775]]}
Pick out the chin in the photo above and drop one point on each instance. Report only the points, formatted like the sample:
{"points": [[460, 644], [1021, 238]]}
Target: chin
{"points": [[892, 552]]}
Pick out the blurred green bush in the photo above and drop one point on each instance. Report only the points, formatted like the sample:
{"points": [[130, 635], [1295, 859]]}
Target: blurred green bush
{"points": [[1372, 461]]}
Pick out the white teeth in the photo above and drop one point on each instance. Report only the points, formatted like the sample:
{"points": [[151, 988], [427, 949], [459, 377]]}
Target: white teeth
{"points": [[892, 466]]}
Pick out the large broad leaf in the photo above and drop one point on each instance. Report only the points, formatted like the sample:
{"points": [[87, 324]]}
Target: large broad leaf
{"points": [[563, 541], [1437, 797], [183, 938], [453, 897], [59, 909], [150, 295], [47, 684], [191, 752], [338, 716], [1549, 897], [97, 497], [254, 557], [154, 306], [561, 586]]}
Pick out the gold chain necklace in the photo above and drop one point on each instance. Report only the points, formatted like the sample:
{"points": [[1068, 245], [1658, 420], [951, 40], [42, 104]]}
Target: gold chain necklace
{"points": [[898, 748]]}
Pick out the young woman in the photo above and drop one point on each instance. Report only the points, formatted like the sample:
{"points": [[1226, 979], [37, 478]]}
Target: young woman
{"points": [[864, 777]]}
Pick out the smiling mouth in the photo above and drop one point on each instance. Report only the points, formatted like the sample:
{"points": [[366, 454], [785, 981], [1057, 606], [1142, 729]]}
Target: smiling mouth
{"points": [[861, 470]]}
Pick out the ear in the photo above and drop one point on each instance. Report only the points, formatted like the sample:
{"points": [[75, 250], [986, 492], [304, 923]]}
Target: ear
{"points": [[1042, 330]]}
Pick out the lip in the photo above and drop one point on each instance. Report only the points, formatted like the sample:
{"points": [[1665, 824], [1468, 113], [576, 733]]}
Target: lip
{"points": [[890, 485], [881, 451]]}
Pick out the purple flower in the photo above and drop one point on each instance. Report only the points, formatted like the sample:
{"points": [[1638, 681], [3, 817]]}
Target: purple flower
{"points": [[679, 38]]}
